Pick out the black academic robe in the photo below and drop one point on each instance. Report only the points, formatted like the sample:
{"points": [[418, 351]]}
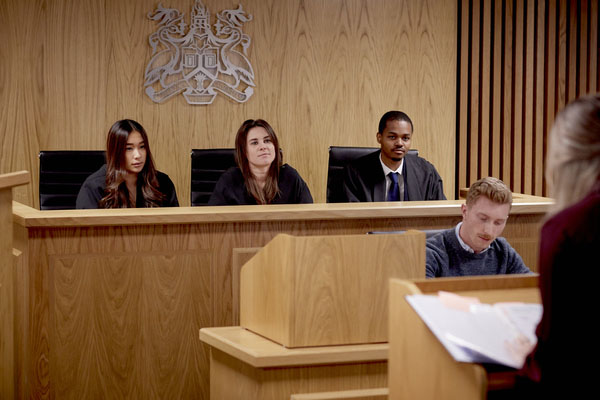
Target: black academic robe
{"points": [[93, 190], [364, 180], [231, 189]]}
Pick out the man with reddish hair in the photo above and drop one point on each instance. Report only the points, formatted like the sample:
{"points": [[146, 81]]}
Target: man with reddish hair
{"points": [[474, 246]]}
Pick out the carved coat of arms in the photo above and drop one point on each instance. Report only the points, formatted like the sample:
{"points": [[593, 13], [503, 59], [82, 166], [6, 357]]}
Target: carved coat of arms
{"points": [[198, 61]]}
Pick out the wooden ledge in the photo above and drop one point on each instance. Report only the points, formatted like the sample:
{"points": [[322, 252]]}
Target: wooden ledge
{"points": [[14, 179], [30, 217], [261, 352]]}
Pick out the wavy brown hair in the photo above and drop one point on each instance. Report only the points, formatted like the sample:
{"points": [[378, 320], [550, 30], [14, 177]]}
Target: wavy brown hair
{"points": [[271, 188], [117, 195]]}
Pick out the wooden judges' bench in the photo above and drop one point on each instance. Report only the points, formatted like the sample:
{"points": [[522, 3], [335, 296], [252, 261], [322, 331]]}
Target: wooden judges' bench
{"points": [[7, 284], [109, 302]]}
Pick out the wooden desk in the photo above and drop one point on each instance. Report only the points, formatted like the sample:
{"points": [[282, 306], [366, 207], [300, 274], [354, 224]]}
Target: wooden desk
{"points": [[110, 301], [249, 366], [419, 364], [7, 289]]}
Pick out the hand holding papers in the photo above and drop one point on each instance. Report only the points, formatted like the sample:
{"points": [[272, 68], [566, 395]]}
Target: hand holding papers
{"points": [[502, 333]]}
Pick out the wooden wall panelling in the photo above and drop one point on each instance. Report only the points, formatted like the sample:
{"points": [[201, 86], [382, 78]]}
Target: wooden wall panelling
{"points": [[497, 117], [550, 79], [528, 111], [462, 171], [475, 128], [572, 50], [539, 110], [325, 73], [486, 90], [594, 71], [508, 82], [562, 26], [126, 310], [21, 90], [547, 51], [583, 42], [518, 93]]}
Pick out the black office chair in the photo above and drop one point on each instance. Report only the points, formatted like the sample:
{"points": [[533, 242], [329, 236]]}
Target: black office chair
{"points": [[339, 156], [207, 167], [62, 173]]}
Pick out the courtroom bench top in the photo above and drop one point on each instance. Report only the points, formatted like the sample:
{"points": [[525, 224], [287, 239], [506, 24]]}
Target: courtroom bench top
{"points": [[31, 217]]}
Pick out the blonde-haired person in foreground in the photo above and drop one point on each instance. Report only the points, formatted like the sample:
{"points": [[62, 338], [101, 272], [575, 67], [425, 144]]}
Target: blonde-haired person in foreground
{"points": [[565, 359], [474, 247]]}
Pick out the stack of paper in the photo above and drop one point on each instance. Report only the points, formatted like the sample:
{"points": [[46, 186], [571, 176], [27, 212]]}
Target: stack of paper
{"points": [[501, 333]]}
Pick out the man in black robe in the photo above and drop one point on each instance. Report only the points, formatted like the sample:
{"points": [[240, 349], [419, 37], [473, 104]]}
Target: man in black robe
{"points": [[392, 174]]}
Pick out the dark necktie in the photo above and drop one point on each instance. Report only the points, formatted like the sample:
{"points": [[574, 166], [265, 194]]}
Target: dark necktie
{"points": [[394, 192]]}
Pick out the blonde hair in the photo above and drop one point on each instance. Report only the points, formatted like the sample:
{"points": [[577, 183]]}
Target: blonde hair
{"points": [[492, 188], [573, 161]]}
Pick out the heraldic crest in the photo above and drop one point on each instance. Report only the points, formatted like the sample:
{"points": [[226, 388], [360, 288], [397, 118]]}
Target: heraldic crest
{"points": [[199, 62]]}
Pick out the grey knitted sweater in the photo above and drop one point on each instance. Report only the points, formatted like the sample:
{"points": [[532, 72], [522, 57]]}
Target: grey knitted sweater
{"points": [[446, 257]]}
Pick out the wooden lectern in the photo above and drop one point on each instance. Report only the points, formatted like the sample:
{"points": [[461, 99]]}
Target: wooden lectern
{"points": [[314, 318], [7, 290], [419, 365], [326, 290]]}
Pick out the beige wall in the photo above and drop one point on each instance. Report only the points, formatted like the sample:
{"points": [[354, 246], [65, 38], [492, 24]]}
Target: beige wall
{"points": [[325, 72]]}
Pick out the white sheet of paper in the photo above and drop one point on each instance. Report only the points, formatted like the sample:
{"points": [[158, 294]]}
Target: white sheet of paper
{"points": [[479, 335]]}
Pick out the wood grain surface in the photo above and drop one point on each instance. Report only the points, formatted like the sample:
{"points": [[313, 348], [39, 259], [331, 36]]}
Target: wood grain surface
{"points": [[419, 365], [114, 313], [358, 394], [8, 289], [520, 63], [323, 290], [137, 287], [280, 383], [31, 217], [260, 352], [7, 295], [325, 73]]}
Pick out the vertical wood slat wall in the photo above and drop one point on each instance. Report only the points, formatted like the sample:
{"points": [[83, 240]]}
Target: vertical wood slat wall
{"points": [[520, 62]]}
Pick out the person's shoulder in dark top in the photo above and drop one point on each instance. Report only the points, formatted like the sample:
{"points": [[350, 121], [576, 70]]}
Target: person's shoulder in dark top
{"points": [[231, 189], [93, 190], [364, 180], [166, 187], [422, 179], [292, 188]]}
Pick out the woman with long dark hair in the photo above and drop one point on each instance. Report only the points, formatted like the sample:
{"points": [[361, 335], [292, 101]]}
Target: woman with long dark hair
{"points": [[260, 177], [129, 178]]}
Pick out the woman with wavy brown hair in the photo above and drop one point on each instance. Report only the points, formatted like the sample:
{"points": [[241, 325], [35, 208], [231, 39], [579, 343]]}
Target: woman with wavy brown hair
{"points": [[260, 177], [129, 178]]}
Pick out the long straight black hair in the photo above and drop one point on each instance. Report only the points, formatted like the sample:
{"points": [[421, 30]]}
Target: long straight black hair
{"points": [[117, 195]]}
